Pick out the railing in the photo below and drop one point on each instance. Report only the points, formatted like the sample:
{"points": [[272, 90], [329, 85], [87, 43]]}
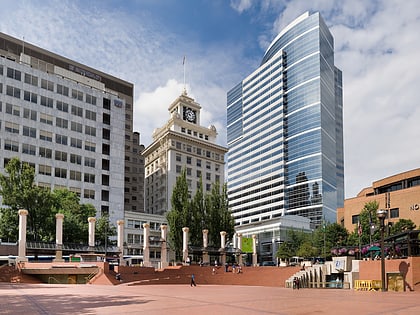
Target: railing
{"points": [[92, 275], [55, 280], [367, 285]]}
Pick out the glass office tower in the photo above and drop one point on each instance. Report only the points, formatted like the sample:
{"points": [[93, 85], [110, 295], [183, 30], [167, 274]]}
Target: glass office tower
{"points": [[285, 130]]}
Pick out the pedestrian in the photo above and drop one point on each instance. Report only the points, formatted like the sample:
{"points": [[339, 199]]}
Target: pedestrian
{"points": [[193, 280]]}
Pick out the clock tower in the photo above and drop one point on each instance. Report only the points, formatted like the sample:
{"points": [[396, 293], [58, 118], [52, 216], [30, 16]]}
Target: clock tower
{"points": [[186, 108]]}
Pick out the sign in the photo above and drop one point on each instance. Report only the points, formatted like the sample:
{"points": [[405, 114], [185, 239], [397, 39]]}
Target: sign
{"points": [[247, 245], [415, 207]]}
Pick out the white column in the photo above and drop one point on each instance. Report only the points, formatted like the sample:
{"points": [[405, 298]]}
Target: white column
{"points": [[146, 247], [163, 248], [206, 257], [91, 221], [185, 231], [254, 250], [22, 234], [222, 246], [59, 237], [120, 239], [239, 241]]}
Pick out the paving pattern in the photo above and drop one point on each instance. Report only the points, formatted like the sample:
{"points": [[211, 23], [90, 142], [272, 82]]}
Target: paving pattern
{"points": [[204, 299]]}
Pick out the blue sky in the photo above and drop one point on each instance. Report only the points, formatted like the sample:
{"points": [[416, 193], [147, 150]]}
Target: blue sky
{"points": [[143, 41]]}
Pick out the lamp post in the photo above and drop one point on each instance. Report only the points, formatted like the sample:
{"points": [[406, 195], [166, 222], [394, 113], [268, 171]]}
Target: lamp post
{"points": [[381, 214]]}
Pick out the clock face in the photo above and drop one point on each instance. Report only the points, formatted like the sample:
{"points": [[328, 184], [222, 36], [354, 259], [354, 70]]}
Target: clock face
{"points": [[190, 115]]}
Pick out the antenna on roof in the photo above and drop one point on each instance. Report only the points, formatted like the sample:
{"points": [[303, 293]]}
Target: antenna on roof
{"points": [[23, 44], [184, 63]]}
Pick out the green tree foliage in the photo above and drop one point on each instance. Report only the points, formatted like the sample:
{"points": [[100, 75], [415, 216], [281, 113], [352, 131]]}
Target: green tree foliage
{"points": [[369, 222], [401, 226], [203, 211], [104, 231], [19, 191], [329, 235]]}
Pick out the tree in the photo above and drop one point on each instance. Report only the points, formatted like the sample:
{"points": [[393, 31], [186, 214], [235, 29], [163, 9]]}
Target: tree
{"points": [[330, 235], [178, 216], [402, 225], [19, 192], [208, 211]]}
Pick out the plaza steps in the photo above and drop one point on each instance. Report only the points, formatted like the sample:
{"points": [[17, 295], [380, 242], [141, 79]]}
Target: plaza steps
{"points": [[252, 276]]}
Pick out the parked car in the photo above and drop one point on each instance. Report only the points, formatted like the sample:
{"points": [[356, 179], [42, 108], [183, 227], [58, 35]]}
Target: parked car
{"points": [[268, 263]]}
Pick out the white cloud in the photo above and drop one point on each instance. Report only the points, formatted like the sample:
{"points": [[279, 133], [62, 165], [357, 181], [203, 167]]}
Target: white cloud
{"points": [[241, 5]]}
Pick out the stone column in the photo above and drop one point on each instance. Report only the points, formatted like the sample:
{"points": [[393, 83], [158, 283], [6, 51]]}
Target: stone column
{"points": [[222, 246], [91, 221], [120, 239], [239, 241], [206, 257], [22, 235], [163, 247], [59, 237], [146, 246], [254, 250], [185, 231]]}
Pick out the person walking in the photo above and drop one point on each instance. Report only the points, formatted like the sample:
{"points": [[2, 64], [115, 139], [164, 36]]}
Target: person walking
{"points": [[193, 280]]}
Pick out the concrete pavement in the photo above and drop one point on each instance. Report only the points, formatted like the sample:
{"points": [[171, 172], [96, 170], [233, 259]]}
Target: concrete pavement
{"points": [[206, 299]]}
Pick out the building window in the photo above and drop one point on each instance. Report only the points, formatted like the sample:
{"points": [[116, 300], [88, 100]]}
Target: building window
{"points": [[75, 175], [13, 91], [62, 123], [76, 143], [76, 127], [29, 114], [60, 139], [29, 132], [78, 95], [189, 159], [28, 149], [45, 135], [90, 146], [355, 219], [61, 156], [46, 119], [31, 79], [12, 109], [90, 115], [106, 103], [89, 194], [44, 170], [90, 131], [45, 152], [14, 74], [90, 99], [30, 97], [47, 101], [89, 162], [47, 85], [11, 145], [395, 213], [178, 157], [76, 110], [64, 107], [11, 127], [178, 169], [89, 178], [60, 172], [75, 159], [62, 90]]}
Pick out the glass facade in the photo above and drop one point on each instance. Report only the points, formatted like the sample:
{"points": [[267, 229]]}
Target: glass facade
{"points": [[285, 130]]}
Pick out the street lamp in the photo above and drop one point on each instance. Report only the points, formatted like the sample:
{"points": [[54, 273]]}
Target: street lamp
{"points": [[381, 214]]}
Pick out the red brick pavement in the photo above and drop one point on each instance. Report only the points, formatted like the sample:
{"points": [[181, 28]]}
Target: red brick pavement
{"points": [[204, 299]]}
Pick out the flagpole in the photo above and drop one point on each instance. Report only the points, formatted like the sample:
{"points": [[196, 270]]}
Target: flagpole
{"points": [[184, 61], [359, 231]]}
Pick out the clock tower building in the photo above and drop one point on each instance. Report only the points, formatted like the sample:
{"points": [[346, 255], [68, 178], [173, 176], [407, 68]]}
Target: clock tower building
{"points": [[182, 143]]}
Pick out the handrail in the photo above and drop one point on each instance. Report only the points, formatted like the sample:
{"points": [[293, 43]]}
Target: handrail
{"points": [[367, 285]]}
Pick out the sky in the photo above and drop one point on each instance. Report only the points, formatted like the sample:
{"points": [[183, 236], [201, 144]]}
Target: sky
{"points": [[377, 46]]}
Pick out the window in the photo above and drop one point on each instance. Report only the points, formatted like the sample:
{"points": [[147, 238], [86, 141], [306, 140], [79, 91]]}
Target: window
{"points": [[13, 91], [64, 107], [355, 219], [75, 159], [76, 127], [31, 79], [47, 101], [78, 95], [89, 178], [47, 85], [106, 103], [189, 159], [208, 165], [198, 163], [46, 119], [28, 149], [106, 148], [29, 132], [63, 90], [106, 134], [91, 131], [76, 110], [62, 123], [198, 173], [61, 139], [90, 146], [45, 135], [44, 170], [90, 115], [45, 152], [11, 127], [10, 145], [61, 156], [105, 180], [30, 97], [90, 99], [14, 74], [89, 162], [106, 118], [208, 176], [89, 194], [13, 109], [76, 143], [60, 172], [395, 213], [76, 175], [178, 157], [178, 169]]}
